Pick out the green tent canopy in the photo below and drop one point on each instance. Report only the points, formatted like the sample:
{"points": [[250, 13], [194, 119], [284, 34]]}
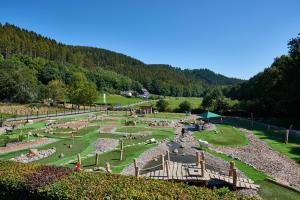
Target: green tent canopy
{"points": [[209, 115]]}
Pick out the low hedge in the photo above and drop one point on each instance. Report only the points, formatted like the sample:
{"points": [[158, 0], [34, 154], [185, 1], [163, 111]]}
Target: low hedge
{"points": [[32, 181]]}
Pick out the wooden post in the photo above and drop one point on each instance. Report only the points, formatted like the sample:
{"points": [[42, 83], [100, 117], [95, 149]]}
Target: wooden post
{"points": [[234, 177], [202, 165], [231, 167], [198, 159], [287, 133], [97, 159], [252, 120], [167, 168], [163, 162], [202, 155], [79, 158], [287, 136], [137, 172], [121, 144], [168, 155], [136, 168], [108, 169], [121, 149], [121, 154]]}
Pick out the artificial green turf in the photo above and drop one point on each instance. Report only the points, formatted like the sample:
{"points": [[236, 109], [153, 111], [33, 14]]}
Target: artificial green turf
{"points": [[225, 135], [275, 139], [268, 190]]}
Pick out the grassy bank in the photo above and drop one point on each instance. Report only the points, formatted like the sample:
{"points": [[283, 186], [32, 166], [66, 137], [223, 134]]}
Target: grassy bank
{"points": [[224, 135]]}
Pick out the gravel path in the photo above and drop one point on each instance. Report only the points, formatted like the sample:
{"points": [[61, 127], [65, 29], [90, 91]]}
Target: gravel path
{"points": [[106, 144], [260, 156]]}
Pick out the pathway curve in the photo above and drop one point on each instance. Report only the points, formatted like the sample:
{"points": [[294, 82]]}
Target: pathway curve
{"points": [[260, 156]]}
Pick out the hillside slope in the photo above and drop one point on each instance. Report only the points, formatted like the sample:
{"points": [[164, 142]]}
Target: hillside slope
{"points": [[159, 79]]}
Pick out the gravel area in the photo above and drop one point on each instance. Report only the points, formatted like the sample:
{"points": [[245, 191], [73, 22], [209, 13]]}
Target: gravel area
{"points": [[105, 144], [260, 156], [30, 158]]}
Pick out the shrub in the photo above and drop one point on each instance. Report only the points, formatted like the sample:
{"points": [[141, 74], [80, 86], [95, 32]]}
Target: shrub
{"points": [[32, 181]]}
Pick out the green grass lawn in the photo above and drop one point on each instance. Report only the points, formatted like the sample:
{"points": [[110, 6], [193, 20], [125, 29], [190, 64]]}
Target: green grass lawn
{"points": [[225, 135], [132, 129], [175, 101], [268, 190], [275, 139], [113, 158], [166, 116], [115, 99]]}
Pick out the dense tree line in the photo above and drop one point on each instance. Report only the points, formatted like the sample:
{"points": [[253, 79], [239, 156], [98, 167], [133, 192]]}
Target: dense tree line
{"points": [[276, 90], [23, 80], [158, 79]]}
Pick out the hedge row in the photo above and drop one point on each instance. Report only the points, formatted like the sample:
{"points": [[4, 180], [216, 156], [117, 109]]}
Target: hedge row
{"points": [[32, 181]]}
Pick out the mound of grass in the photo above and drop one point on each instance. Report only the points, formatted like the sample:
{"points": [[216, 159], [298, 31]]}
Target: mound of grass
{"points": [[225, 135]]}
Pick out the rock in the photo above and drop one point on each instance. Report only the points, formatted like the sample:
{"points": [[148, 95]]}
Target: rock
{"points": [[33, 151], [175, 151], [70, 146], [61, 155]]}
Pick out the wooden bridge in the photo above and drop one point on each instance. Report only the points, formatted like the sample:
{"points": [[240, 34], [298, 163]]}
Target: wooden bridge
{"points": [[196, 172]]}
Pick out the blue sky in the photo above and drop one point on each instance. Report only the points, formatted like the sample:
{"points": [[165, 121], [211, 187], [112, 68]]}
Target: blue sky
{"points": [[237, 38]]}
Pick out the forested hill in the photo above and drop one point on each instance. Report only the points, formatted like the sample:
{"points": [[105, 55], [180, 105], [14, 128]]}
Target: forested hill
{"points": [[276, 90], [159, 79]]}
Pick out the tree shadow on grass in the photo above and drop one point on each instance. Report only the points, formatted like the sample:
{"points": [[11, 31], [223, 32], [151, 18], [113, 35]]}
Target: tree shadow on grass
{"points": [[296, 151]]}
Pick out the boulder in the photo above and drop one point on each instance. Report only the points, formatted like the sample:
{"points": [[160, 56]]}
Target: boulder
{"points": [[33, 151], [175, 151], [61, 155]]}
